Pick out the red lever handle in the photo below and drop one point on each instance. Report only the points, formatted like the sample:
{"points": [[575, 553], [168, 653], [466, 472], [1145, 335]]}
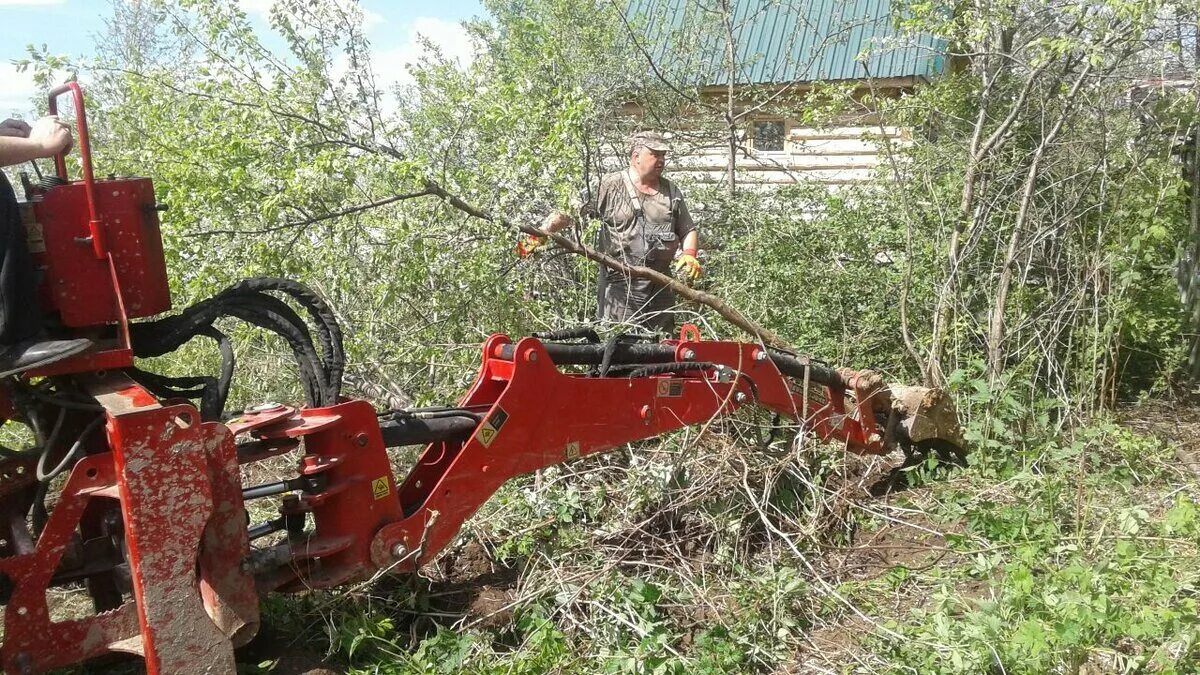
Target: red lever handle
{"points": [[85, 153]]}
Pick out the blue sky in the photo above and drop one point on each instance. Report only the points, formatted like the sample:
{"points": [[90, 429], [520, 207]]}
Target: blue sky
{"points": [[71, 27]]}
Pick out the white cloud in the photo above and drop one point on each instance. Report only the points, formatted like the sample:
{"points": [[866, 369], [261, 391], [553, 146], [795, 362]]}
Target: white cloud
{"points": [[30, 3], [16, 91], [258, 8], [371, 19], [450, 38]]}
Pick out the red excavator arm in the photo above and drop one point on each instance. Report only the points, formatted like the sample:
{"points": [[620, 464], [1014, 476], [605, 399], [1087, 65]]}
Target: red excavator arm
{"points": [[152, 514]]}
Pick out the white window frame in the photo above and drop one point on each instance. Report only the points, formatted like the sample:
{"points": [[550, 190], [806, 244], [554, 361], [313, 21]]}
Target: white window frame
{"points": [[754, 135]]}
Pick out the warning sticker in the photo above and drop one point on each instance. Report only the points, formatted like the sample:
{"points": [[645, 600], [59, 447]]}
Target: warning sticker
{"points": [[34, 237], [572, 450], [380, 487], [670, 388], [491, 427]]}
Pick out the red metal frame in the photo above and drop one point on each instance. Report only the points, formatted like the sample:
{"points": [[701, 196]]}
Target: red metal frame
{"points": [[98, 245], [95, 226], [175, 484]]}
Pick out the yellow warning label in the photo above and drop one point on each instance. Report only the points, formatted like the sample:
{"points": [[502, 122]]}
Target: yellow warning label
{"points": [[380, 487], [34, 237], [491, 427], [487, 434], [572, 450]]}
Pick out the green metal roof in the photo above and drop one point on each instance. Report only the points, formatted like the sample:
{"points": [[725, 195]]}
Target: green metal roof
{"points": [[784, 40]]}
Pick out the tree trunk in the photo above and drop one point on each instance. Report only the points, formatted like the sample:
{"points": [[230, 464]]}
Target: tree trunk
{"points": [[1189, 265], [995, 342], [979, 150], [731, 129]]}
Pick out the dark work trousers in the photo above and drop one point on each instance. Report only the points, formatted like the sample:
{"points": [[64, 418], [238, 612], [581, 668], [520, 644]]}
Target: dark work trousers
{"points": [[20, 317], [642, 302]]}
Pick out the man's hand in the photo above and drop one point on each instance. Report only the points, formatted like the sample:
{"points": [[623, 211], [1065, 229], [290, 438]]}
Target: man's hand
{"points": [[688, 266], [15, 128], [52, 135], [531, 244]]}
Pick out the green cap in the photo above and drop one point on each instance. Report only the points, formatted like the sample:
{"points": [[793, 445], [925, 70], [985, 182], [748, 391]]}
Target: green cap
{"points": [[650, 140]]}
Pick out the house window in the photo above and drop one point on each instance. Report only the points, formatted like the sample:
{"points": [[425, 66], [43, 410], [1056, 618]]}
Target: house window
{"points": [[769, 136]]}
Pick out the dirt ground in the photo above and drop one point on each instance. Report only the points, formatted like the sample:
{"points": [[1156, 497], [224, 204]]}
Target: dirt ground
{"points": [[464, 587], [1176, 423]]}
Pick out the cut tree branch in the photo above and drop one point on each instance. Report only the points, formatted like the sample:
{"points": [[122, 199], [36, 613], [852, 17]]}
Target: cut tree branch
{"points": [[328, 216], [726, 311]]}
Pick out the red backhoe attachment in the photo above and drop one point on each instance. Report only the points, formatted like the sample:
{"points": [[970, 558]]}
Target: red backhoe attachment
{"points": [[149, 507]]}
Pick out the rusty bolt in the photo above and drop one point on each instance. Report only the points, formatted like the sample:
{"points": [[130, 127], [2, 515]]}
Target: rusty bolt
{"points": [[360, 439], [531, 356], [399, 551]]}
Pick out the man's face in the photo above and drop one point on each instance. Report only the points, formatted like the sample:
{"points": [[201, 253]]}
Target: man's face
{"points": [[648, 163]]}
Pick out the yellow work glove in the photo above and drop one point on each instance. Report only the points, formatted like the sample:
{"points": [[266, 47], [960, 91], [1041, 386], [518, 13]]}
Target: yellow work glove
{"points": [[688, 266], [531, 244]]}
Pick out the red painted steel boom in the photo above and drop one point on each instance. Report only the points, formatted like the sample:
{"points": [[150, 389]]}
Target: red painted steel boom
{"points": [[152, 515]]}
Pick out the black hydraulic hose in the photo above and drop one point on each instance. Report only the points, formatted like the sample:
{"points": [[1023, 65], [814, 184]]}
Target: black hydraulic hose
{"points": [[155, 338], [585, 333], [269, 489], [818, 373], [438, 414], [274, 315], [403, 430], [62, 402], [477, 409], [228, 361], [263, 529], [204, 387], [259, 309], [606, 360], [183, 386], [329, 334], [328, 330], [72, 455], [665, 368], [624, 353], [249, 300]]}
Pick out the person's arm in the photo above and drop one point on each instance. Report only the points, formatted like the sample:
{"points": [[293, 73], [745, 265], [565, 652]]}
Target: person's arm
{"points": [[685, 227], [20, 143], [556, 221], [691, 243]]}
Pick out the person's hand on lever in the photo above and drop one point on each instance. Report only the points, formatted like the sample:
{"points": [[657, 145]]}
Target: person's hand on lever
{"points": [[52, 134]]}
